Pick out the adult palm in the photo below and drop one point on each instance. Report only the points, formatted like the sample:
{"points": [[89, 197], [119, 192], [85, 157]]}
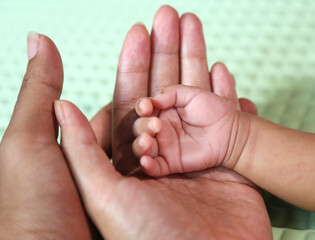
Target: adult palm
{"points": [[217, 203]]}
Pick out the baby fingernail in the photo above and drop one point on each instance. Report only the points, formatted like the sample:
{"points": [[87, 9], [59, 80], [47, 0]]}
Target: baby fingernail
{"points": [[141, 142], [142, 104], [154, 125]]}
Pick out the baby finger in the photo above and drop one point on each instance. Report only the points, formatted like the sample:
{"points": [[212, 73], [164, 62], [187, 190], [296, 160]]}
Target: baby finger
{"points": [[149, 125]]}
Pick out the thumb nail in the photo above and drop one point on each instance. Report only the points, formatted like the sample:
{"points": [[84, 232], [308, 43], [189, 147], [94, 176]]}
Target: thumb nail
{"points": [[59, 112], [32, 44]]}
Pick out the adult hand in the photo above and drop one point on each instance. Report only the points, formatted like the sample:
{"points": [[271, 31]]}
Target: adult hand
{"points": [[217, 203], [38, 198]]}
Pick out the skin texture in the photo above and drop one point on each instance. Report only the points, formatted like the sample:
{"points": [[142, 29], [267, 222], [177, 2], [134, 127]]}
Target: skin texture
{"points": [[38, 197], [188, 136], [194, 130], [280, 160], [215, 203], [35, 181]]}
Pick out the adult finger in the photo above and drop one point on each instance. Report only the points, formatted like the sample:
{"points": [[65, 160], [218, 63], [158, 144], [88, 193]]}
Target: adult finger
{"points": [[92, 170], [132, 72], [194, 67], [165, 50], [101, 125], [222, 82], [131, 84], [33, 116]]}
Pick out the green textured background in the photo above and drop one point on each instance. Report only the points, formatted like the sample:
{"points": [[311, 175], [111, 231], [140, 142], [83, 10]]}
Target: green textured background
{"points": [[268, 45]]}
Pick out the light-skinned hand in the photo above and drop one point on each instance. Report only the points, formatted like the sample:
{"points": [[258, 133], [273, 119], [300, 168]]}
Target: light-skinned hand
{"points": [[194, 130]]}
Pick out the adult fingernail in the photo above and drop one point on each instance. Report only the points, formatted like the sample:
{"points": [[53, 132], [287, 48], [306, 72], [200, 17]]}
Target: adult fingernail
{"points": [[32, 44], [60, 115], [139, 23]]}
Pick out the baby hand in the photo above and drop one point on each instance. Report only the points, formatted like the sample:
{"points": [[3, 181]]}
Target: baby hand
{"points": [[184, 129]]}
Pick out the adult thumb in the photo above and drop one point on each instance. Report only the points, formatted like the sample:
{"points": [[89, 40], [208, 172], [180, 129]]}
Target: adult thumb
{"points": [[42, 84]]}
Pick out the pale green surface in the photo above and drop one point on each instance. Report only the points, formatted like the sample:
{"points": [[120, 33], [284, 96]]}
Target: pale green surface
{"points": [[268, 45]]}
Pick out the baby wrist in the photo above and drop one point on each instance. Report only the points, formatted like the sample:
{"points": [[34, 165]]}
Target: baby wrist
{"points": [[239, 139]]}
